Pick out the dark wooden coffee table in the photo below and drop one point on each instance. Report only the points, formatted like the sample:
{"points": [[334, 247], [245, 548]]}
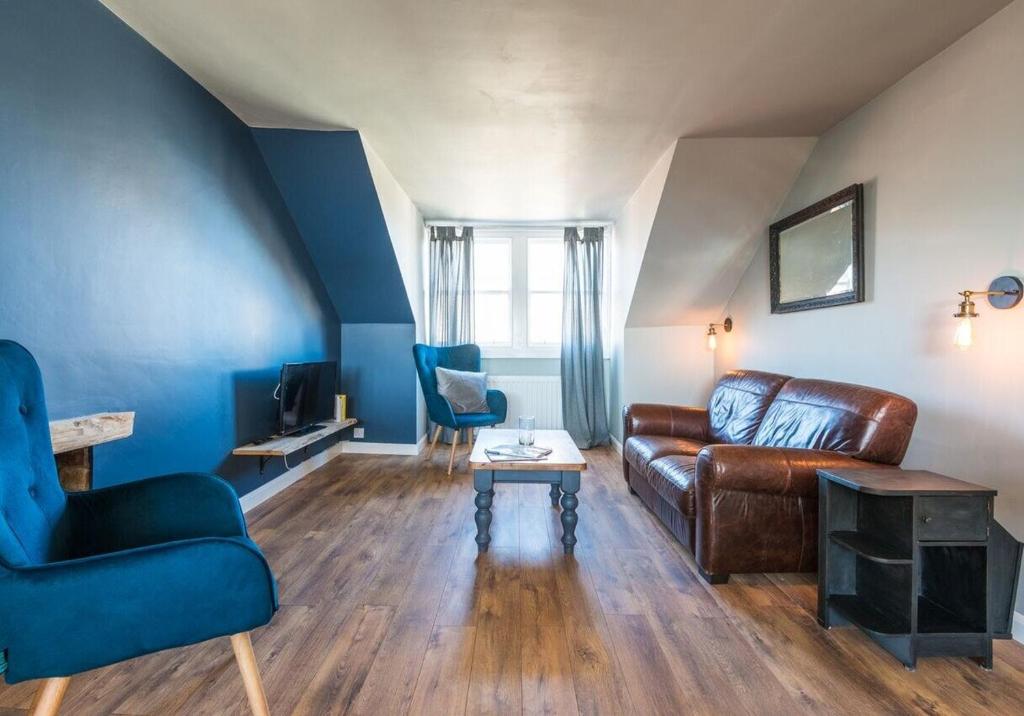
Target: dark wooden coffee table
{"points": [[561, 469]]}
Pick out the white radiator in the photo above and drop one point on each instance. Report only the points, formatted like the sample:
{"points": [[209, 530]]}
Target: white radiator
{"points": [[536, 395]]}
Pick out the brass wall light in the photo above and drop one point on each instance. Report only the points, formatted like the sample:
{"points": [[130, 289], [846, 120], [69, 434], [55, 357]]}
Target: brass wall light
{"points": [[713, 337], [1004, 292]]}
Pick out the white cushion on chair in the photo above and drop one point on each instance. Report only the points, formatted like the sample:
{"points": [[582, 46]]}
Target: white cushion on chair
{"points": [[465, 390]]}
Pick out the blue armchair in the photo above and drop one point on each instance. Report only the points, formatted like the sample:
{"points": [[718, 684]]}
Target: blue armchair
{"points": [[464, 357], [92, 578]]}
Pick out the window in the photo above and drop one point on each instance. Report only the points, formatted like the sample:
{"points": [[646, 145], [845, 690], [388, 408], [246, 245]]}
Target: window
{"points": [[518, 291], [544, 259], [492, 304]]}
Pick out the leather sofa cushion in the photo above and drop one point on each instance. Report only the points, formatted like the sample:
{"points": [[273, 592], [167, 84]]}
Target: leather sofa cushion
{"points": [[672, 477], [854, 420], [738, 403], [641, 449]]}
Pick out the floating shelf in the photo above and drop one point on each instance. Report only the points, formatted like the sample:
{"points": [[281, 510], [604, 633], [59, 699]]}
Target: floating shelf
{"points": [[870, 547], [90, 430], [287, 444]]}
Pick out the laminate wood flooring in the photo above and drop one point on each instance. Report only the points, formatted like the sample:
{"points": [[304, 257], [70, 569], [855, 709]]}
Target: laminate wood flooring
{"points": [[386, 608]]}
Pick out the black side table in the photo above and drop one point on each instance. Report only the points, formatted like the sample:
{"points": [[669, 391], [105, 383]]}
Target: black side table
{"points": [[915, 560]]}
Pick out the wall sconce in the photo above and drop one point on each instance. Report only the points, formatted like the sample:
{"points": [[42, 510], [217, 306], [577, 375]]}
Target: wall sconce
{"points": [[713, 337], [1003, 292]]}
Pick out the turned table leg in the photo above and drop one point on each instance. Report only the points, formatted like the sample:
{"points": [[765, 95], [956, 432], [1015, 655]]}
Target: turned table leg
{"points": [[569, 520], [483, 519], [569, 486], [483, 483], [555, 494]]}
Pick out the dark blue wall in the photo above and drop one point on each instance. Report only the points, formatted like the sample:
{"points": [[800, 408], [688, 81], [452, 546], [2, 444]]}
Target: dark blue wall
{"points": [[146, 256], [326, 182], [378, 374]]}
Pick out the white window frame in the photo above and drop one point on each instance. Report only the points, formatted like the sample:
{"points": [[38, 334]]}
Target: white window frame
{"points": [[520, 294], [494, 239], [518, 238]]}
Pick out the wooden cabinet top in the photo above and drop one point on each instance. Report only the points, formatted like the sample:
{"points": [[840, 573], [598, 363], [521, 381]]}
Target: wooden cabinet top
{"points": [[894, 482]]}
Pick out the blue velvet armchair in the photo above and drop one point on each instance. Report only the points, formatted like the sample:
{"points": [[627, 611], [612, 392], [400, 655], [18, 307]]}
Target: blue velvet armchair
{"points": [[464, 357], [91, 578]]}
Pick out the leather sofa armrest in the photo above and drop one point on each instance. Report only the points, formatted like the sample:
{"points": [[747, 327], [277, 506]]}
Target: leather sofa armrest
{"points": [[771, 470], [675, 421]]}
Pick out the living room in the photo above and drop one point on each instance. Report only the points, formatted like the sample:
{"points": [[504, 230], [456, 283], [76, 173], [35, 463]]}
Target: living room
{"points": [[511, 357]]}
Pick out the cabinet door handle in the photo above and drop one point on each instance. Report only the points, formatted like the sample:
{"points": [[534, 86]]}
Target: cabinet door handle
{"points": [[926, 519]]}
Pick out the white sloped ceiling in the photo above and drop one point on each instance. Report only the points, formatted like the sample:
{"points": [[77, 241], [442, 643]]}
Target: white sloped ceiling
{"points": [[720, 195]]}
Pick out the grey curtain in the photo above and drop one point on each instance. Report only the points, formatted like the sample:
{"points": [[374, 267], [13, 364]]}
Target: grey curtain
{"points": [[451, 286], [584, 412]]}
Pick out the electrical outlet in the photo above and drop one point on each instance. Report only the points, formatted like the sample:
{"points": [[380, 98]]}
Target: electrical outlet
{"points": [[359, 433]]}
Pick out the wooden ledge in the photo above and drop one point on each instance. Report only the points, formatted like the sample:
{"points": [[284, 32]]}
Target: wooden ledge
{"points": [[90, 430], [287, 444]]}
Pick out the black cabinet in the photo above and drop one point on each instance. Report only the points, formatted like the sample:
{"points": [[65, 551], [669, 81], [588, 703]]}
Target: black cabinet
{"points": [[915, 560]]}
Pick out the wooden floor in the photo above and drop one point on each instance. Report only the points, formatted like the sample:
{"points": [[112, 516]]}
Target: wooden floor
{"points": [[387, 609]]}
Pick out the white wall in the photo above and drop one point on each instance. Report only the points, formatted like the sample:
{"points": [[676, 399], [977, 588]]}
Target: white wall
{"points": [[405, 225], [629, 240], [667, 364], [941, 155]]}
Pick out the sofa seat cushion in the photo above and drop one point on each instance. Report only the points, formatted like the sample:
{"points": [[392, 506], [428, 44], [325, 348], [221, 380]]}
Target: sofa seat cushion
{"points": [[641, 449], [672, 477]]}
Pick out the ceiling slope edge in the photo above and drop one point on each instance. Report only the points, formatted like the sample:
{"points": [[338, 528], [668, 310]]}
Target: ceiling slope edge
{"points": [[720, 196], [405, 225], [327, 185]]}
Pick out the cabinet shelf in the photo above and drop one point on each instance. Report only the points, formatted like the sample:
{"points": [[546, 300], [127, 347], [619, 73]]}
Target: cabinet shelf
{"points": [[873, 548], [933, 618], [867, 616]]}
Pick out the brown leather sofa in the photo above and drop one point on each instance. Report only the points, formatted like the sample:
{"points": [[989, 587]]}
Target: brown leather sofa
{"points": [[736, 482]]}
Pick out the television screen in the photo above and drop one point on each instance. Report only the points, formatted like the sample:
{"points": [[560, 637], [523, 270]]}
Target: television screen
{"points": [[307, 394]]}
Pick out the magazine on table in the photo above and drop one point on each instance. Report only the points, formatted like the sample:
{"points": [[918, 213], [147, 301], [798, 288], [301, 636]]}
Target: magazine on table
{"points": [[524, 453]]}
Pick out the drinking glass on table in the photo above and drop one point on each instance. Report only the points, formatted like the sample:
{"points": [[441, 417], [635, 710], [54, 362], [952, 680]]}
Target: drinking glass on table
{"points": [[526, 427]]}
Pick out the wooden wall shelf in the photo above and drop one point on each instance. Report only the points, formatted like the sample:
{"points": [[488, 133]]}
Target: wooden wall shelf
{"points": [[285, 445], [90, 430], [74, 438]]}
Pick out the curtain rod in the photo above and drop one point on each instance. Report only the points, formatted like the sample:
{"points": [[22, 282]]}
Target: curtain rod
{"points": [[520, 224]]}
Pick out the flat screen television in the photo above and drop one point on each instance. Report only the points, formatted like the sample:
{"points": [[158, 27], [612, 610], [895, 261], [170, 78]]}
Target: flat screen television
{"points": [[307, 395]]}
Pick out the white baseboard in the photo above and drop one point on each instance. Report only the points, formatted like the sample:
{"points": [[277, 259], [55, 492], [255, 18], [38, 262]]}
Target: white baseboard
{"points": [[363, 448], [616, 444], [1018, 627], [268, 489]]}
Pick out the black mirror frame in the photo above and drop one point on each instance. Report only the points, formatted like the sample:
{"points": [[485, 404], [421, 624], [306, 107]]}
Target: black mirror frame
{"points": [[854, 192]]}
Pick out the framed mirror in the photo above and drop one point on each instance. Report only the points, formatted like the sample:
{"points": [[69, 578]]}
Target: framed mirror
{"points": [[817, 254]]}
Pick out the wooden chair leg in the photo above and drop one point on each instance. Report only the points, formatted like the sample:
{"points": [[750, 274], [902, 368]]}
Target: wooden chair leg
{"points": [[470, 431], [250, 673], [50, 694], [433, 443], [451, 460]]}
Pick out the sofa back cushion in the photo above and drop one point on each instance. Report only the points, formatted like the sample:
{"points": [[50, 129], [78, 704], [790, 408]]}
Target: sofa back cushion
{"points": [[739, 403], [861, 422]]}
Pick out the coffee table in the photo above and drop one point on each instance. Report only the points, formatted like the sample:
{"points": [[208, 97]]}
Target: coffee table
{"points": [[561, 469]]}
